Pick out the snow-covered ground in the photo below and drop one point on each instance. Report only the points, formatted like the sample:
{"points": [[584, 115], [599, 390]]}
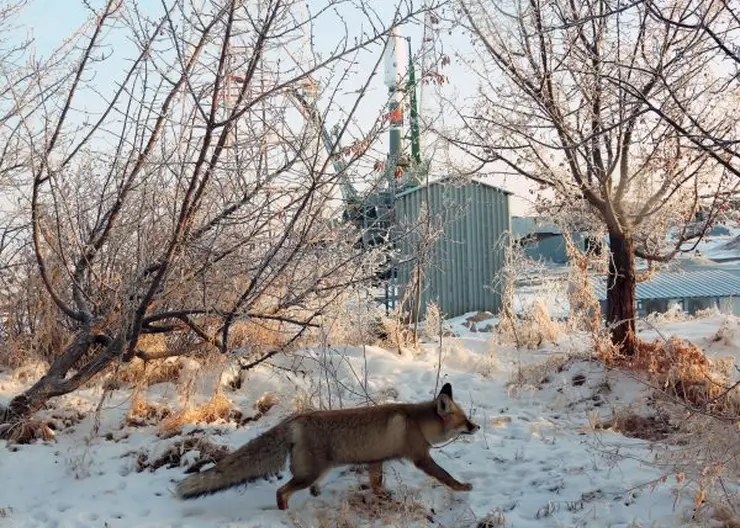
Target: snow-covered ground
{"points": [[716, 247], [535, 462]]}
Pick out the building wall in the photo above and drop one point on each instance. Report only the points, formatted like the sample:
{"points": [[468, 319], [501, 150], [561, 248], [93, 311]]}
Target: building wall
{"points": [[460, 268], [552, 248], [735, 303], [728, 305], [648, 306], [700, 303]]}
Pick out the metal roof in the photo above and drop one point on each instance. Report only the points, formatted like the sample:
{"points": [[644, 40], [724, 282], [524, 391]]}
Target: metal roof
{"points": [[452, 181], [681, 285], [527, 225]]}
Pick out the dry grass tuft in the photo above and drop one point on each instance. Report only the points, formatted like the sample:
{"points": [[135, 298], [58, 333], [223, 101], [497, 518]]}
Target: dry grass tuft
{"points": [[698, 407], [331, 518], [303, 401], [353, 320], [143, 413], [651, 428], [145, 373], [683, 371], [530, 330], [585, 310], [727, 333], [208, 452], [537, 374], [30, 371], [493, 519], [266, 402], [152, 343], [365, 506], [708, 459], [27, 431], [674, 314], [31, 327], [218, 408], [727, 516], [434, 322], [259, 334], [392, 333], [491, 362]]}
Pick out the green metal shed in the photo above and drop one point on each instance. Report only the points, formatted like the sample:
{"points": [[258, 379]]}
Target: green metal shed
{"points": [[460, 264]]}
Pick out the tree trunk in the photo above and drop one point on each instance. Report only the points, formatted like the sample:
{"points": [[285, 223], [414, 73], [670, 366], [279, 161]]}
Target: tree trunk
{"points": [[620, 297], [56, 383]]}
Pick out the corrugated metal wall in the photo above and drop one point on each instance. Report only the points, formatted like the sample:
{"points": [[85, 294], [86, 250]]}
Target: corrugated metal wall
{"points": [[461, 267]]}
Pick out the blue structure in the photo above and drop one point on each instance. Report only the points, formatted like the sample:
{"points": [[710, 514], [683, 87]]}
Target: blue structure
{"points": [[691, 290], [543, 241], [461, 266]]}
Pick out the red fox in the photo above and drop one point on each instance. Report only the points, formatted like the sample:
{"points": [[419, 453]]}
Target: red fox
{"points": [[320, 440]]}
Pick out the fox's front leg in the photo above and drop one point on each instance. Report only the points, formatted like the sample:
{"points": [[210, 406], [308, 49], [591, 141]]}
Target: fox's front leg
{"points": [[431, 468]]}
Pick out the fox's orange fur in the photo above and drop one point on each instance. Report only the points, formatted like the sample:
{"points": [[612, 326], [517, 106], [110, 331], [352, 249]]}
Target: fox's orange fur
{"points": [[320, 440]]}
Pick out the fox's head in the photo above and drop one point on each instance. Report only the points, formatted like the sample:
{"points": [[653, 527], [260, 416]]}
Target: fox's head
{"points": [[453, 419]]}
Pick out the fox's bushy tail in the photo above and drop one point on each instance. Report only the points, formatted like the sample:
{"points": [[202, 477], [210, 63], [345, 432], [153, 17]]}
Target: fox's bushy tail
{"points": [[263, 456]]}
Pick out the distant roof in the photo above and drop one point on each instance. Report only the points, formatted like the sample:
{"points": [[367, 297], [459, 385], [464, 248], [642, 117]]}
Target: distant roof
{"points": [[681, 285], [527, 225], [453, 182]]}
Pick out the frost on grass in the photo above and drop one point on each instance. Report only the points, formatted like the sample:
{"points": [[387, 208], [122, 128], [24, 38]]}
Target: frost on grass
{"points": [[362, 507], [530, 330], [696, 404], [494, 519], [728, 332], [146, 373], [535, 375], [217, 409], [27, 431], [537, 459], [143, 413], [682, 370], [632, 425], [195, 450]]}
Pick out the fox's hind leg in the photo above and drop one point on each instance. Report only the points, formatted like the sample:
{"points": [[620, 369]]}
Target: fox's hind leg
{"points": [[306, 470], [316, 487], [295, 484], [376, 480]]}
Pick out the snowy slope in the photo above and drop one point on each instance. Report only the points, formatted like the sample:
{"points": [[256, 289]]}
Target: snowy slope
{"points": [[536, 460]]}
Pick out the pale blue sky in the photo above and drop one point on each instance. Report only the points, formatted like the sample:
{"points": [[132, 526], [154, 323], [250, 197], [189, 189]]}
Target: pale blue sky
{"points": [[50, 21]]}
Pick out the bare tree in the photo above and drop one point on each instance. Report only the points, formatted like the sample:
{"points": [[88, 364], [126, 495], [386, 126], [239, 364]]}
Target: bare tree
{"points": [[712, 31], [192, 196], [22, 94], [552, 108]]}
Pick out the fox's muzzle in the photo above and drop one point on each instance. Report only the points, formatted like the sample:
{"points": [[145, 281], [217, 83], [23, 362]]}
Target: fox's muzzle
{"points": [[470, 427]]}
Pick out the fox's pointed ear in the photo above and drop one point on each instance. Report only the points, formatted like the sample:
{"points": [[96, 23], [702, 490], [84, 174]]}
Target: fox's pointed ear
{"points": [[446, 389], [444, 404]]}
